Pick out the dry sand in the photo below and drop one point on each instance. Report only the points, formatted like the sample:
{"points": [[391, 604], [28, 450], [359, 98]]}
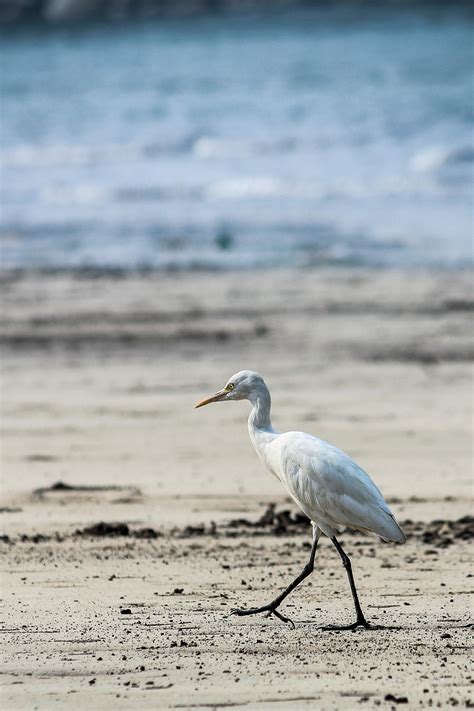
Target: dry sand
{"points": [[99, 377]]}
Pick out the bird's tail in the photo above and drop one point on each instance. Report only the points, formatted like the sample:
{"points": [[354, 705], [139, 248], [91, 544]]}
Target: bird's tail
{"points": [[388, 528]]}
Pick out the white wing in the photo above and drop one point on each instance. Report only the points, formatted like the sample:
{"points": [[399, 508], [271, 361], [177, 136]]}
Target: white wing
{"points": [[329, 486]]}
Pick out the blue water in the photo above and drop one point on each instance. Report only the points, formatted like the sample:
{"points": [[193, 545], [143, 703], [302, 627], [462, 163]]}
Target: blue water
{"points": [[303, 138]]}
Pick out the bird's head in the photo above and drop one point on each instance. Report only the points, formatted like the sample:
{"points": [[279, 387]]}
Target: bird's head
{"points": [[241, 386]]}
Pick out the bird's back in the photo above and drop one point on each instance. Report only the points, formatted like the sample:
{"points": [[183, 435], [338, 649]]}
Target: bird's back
{"points": [[329, 486]]}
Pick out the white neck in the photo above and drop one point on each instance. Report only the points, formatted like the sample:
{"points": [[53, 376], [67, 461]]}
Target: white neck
{"points": [[260, 427]]}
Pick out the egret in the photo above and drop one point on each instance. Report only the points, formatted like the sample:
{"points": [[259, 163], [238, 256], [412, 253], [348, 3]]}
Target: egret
{"points": [[326, 484]]}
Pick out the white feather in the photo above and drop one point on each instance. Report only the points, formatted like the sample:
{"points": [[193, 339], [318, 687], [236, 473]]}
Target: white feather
{"points": [[327, 485]]}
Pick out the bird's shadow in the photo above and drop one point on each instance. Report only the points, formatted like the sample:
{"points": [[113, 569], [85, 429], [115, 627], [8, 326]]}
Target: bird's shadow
{"points": [[437, 627]]}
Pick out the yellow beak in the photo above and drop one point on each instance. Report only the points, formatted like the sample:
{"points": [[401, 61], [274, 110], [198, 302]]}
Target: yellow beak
{"points": [[214, 398]]}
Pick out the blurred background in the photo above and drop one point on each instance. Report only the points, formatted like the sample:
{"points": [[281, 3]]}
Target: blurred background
{"points": [[227, 134], [189, 189]]}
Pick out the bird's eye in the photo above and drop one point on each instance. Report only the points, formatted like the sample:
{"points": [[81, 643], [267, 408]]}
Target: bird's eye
{"points": [[230, 386]]}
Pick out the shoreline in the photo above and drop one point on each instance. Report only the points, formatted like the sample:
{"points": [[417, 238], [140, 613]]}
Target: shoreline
{"points": [[14, 275], [140, 310], [87, 13]]}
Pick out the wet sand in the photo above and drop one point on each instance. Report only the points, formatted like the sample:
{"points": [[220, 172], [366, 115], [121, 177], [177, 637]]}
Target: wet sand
{"points": [[99, 377]]}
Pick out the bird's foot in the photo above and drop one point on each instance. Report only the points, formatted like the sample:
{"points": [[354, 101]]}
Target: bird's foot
{"points": [[269, 609], [360, 622]]}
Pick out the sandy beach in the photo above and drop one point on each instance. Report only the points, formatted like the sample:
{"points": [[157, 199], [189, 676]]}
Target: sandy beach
{"points": [[100, 373]]}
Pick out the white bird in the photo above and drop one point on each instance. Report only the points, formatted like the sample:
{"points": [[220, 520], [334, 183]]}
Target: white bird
{"points": [[326, 484]]}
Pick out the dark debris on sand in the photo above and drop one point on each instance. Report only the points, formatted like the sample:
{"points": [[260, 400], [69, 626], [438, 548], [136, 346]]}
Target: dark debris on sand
{"points": [[441, 533], [62, 488], [438, 533], [111, 530], [283, 522]]}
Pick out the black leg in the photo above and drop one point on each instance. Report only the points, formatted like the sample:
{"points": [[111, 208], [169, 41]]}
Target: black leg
{"points": [[360, 619], [271, 608]]}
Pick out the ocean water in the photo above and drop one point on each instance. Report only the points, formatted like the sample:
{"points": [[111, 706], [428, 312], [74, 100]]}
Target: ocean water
{"points": [[303, 138]]}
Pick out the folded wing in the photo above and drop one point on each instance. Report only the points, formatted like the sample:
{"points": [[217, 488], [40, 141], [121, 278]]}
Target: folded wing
{"points": [[329, 484]]}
